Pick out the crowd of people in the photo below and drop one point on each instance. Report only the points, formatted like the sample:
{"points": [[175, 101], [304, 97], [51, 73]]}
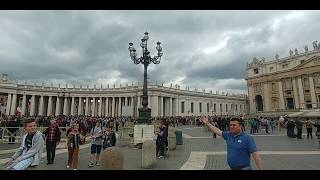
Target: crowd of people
{"points": [[102, 132]]}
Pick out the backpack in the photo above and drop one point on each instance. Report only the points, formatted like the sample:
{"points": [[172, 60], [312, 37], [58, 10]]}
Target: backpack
{"points": [[108, 140]]}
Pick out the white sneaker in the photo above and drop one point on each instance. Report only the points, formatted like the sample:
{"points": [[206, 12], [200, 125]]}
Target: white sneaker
{"points": [[68, 166], [74, 169]]}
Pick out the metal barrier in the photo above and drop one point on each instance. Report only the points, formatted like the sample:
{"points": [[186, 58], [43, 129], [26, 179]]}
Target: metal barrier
{"points": [[17, 133]]}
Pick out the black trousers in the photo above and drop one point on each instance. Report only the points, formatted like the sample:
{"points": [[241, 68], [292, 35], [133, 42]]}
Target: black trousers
{"points": [[309, 132], [51, 151], [299, 133], [160, 147]]}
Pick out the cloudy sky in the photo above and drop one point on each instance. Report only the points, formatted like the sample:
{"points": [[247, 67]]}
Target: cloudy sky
{"points": [[202, 49]]}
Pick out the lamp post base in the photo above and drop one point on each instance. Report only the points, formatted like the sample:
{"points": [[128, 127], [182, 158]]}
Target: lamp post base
{"points": [[143, 132], [144, 116]]}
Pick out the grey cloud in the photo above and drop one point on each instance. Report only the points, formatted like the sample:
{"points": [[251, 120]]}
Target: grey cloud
{"points": [[85, 46]]}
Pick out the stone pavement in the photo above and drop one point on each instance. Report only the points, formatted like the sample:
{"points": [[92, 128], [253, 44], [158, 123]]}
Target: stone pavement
{"points": [[201, 151]]}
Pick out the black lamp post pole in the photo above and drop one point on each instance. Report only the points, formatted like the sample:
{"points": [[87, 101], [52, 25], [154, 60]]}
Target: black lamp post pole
{"points": [[145, 112]]}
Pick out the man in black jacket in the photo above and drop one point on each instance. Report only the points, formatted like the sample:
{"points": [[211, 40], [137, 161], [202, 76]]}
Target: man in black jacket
{"points": [[299, 125], [53, 136]]}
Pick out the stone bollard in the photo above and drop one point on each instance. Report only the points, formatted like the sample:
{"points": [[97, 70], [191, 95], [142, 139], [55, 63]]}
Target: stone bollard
{"points": [[148, 154], [172, 138], [112, 159]]}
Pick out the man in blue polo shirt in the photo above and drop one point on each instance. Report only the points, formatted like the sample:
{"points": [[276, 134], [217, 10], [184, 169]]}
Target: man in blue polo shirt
{"points": [[239, 145]]}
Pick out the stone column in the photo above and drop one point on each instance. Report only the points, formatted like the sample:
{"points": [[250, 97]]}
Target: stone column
{"points": [[80, 106], [155, 109], [149, 101], [107, 107], [170, 106], [72, 107], [93, 109], [281, 98], [161, 105], [126, 101], [312, 92], [177, 107], [138, 105], [49, 111], [100, 107], [132, 105], [65, 106], [13, 104], [40, 113], [251, 101], [266, 97], [120, 106], [301, 94], [86, 112], [295, 94], [113, 106], [33, 105], [58, 106], [8, 104], [24, 105]]}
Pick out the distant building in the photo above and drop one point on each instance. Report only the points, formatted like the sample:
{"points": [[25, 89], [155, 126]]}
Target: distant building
{"points": [[115, 101], [285, 84]]}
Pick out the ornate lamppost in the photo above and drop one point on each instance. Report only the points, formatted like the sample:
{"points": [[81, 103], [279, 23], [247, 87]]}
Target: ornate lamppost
{"points": [[146, 59]]}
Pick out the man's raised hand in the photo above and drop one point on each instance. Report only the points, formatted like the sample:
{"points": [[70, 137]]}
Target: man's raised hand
{"points": [[204, 119]]}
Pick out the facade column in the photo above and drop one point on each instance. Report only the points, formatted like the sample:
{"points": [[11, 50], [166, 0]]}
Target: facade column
{"points": [[8, 104], [24, 105], [138, 105], [266, 97], [93, 109], [113, 106], [40, 113], [126, 103], [107, 107], [72, 107], [154, 110], [170, 106], [65, 106], [251, 100], [86, 112], [100, 107], [58, 106], [177, 107], [49, 111], [119, 106], [161, 105], [301, 94], [149, 102], [281, 98], [132, 105], [33, 105], [80, 106], [312, 92], [13, 104], [295, 94]]}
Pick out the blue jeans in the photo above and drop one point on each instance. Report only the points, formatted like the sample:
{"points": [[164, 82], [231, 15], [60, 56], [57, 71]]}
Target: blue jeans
{"points": [[24, 164]]}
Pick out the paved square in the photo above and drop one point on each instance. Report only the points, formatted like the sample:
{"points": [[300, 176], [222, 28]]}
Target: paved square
{"points": [[201, 151]]}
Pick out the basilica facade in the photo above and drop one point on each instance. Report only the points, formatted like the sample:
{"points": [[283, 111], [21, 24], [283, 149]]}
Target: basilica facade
{"points": [[285, 84], [50, 100]]}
